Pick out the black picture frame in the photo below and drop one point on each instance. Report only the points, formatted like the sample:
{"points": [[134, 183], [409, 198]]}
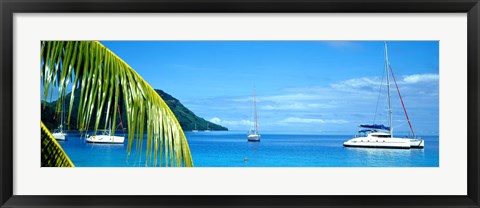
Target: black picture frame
{"points": [[10, 7]]}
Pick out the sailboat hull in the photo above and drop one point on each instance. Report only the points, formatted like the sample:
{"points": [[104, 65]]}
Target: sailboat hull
{"points": [[59, 136], [253, 138], [105, 139]]}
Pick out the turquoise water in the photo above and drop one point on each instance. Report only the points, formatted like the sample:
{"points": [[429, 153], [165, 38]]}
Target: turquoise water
{"points": [[231, 149]]}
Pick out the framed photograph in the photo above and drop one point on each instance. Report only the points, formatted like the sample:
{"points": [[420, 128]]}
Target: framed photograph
{"points": [[247, 104]]}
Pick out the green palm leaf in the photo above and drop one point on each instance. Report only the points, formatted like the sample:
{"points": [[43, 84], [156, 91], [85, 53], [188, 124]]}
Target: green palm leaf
{"points": [[52, 153], [103, 79]]}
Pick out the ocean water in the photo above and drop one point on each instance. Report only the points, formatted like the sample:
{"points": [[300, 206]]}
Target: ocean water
{"points": [[231, 149]]}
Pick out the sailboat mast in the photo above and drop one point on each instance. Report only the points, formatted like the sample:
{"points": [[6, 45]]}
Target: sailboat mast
{"points": [[255, 111], [388, 89], [110, 126], [63, 114]]}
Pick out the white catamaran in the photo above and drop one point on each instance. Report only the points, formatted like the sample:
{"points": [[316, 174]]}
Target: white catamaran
{"points": [[380, 136], [253, 133]]}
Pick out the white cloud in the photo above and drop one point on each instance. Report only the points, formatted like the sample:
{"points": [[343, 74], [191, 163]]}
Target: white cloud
{"points": [[357, 83], [215, 120], [279, 98], [288, 97], [296, 106], [296, 101], [372, 83], [312, 120], [231, 123], [415, 78]]}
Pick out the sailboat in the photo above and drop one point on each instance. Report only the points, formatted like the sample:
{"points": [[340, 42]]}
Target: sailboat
{"points": [[253, 133], [195, 130], [106, 136], [379, 135], [207, 130], [60, 134]]}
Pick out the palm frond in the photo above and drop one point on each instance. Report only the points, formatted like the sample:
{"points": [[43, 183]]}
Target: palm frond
{"points": [[52, 153], [102, 78]]}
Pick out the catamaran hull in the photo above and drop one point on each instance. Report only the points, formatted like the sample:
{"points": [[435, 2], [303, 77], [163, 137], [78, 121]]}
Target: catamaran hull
{"points": [[373, 145], [365, 142], [417, 143], [105, 139], [253, 138], [377, 146]]}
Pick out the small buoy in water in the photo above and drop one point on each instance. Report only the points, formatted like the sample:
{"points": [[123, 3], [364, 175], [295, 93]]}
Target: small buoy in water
{"points": [[245, 159]]}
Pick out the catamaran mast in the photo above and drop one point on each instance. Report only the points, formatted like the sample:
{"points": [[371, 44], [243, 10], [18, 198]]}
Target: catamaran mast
{"points": [[255, 111], [388, 89]]}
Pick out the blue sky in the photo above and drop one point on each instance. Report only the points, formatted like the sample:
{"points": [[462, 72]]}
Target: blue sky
{"points": [[301, 86]]}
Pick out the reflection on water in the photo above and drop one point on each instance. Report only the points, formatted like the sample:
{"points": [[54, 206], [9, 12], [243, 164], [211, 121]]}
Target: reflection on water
{"points": [[384, 152], [378, 157]]}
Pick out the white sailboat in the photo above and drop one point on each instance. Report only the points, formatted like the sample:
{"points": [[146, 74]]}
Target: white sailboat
{"points": [[195, 130], [60, 134], [106, 137], [380, 136], [253, 133], [207, 130]]}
